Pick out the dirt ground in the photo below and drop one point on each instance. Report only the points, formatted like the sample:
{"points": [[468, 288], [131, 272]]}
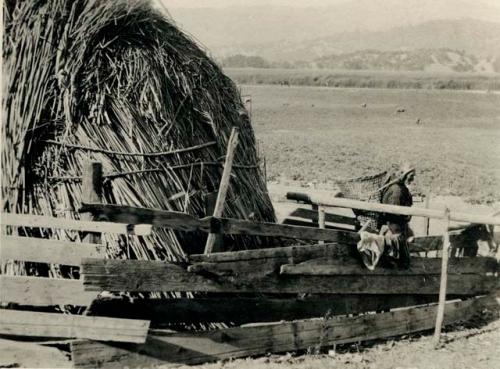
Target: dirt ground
{"points": [[315, 134]]}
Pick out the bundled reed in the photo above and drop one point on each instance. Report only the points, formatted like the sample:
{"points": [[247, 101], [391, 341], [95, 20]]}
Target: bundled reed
{"points": [[117, 82]]}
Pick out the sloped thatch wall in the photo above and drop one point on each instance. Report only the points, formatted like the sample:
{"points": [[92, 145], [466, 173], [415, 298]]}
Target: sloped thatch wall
{"points": [[115, 81]]}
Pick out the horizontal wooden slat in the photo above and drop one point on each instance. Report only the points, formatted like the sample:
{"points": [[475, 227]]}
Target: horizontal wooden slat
{"points": [[401, 210], [241, 310], [141, 275], [135, 215], [37, 291], [329, 217], [199, 347], [48, 251], [418, 266], [299, 252], [305, 223], [39, 221], [245, 227], [36, 324]]}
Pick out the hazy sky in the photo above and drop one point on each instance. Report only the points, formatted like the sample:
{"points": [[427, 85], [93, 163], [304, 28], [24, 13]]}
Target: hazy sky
{"points": [[227, 3], [291, 3]]}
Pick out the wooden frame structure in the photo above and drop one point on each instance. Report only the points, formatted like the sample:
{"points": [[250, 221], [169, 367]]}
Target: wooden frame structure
{"points": [[328, 274]]}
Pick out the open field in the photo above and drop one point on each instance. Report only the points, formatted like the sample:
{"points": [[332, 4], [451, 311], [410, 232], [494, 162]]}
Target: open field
{"points": [[366, 79], [324, 134]]}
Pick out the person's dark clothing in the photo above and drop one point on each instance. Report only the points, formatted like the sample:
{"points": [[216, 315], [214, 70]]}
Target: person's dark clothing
{"points": [[398, 194]]}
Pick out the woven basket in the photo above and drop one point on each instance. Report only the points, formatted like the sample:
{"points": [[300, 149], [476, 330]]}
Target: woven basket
{"points": [[365, 188]]}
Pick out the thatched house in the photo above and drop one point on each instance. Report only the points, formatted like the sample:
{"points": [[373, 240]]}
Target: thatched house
{"points": [[117, 82]]}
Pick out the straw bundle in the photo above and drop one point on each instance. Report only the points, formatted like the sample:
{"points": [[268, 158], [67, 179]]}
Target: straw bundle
{"points": [[116, 82]]}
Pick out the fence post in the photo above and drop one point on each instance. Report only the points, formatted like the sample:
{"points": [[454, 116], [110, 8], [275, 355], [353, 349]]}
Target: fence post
{"points": [[224, 186], [427, 219], [321, 220], [92, 193], [444, 278]]}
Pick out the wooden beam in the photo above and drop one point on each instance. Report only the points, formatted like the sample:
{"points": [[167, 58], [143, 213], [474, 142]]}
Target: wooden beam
{"points": [[427, 219], [306, 223], [321, 219], [200, 347], [223, 187], [402, 210], [143, 275], [245, 227], [329, 217], [92, 192], [135, 215], [42, 250], [40, 221], [242, 310], [297, 253], [36, 324], [443, 282], [36, 291], [418, 266]]}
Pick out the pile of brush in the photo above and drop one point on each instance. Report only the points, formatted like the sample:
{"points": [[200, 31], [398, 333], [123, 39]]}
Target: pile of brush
{"points": [[117, 82]]}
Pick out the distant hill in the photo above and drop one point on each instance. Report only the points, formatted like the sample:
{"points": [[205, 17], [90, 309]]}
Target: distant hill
{"points": [[472, 36], [428, 60], [279, 32]]}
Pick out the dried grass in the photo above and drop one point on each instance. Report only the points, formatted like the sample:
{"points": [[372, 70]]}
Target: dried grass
{"points": [[115, 81]]}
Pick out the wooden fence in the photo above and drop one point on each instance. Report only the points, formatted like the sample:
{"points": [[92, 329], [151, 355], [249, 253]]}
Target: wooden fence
{"points": [[329, 273]]}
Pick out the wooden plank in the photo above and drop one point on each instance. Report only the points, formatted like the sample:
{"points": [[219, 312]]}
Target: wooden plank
{"points": [[36, 324], [402, 210], [40, 221], [418, 266], [305, 223], [42, 250], [200, 347], [210, 200], [242, 310], [298, 252], [143, 275], [36, 291], [427, 219], [92, 192], [136, 215], [223, 187], [329, 217], [443, 282], [245, 227]]}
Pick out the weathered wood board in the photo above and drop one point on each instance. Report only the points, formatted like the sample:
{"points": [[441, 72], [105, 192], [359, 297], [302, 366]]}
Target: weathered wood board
{"points": [[37, 291], [39, 221], [242, 310], [42, 250], [418, 266], [329, 217], [140, 275], [37, 324], [136, 215], [199, 347]]}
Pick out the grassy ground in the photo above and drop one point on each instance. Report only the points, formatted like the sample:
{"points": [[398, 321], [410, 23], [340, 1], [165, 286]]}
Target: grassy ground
{"points": [[366, 79], [324, 134]]}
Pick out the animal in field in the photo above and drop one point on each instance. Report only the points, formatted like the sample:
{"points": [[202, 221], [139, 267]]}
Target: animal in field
{"points": [[363, 105], [400, 110], [467, 243]]}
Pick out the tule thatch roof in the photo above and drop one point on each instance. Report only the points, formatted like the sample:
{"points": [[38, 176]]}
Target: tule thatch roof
{"points": [[115, 81]]}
